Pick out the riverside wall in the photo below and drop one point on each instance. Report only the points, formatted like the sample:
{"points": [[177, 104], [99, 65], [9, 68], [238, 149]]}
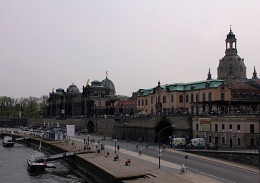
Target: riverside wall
{"points": [[92, 171], [144, 128], [239, 157]]}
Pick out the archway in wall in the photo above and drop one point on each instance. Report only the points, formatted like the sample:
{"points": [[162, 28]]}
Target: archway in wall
{"points": [[90, 127], [165, 134]]}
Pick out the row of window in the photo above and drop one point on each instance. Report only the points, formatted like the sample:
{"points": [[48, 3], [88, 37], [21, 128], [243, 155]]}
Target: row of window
{"points": [[252, 127], [181, 98], [224, 140]]}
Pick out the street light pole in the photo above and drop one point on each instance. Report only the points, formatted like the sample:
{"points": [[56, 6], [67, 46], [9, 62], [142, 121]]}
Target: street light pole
{"points": [[159, 153]]}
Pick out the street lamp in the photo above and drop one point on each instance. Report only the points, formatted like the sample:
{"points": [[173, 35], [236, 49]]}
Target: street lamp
{"points": [[115, 144], [88, 140], [159, 153]]}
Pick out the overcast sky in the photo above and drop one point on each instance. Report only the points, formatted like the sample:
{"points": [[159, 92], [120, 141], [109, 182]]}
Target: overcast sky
{"points": [[54, 43]]}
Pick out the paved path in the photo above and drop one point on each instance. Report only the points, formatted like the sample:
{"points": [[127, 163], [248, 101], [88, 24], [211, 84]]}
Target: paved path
{"points": [[141, 166]]}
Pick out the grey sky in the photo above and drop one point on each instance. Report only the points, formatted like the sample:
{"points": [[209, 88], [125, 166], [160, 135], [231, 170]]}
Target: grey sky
{"points": [[54, 43]]}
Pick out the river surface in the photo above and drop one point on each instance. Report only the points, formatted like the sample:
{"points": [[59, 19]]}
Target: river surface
{"points": [[13, 168]]}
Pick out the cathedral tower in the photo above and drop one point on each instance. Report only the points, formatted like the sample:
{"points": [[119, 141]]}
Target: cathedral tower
{"points": [[231, 67]]}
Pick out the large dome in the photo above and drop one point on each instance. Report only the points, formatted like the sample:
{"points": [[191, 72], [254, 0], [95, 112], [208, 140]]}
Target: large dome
{"points": [[108, 84], [73, 89]]}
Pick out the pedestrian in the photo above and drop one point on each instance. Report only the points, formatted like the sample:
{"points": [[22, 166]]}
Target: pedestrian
{"points": [[182, 171], [84, 141], [136, 146], [140, 151], [118, 147], [146, 146]]}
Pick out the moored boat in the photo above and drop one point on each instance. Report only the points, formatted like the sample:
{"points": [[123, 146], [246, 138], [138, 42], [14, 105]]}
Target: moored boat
{"points": [[8, 141], [38, 162]]}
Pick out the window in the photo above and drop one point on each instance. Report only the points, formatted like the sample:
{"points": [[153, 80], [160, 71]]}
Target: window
{"points": [[228, 45], [151, 100], [138, 102], [164, 99], [238, 128], [222, 96], [204, 97], [142, 102], [210, 140], [238, 141], [187, 98], [223, 140], [197, 98], [197, 127], [216, 127], [252, 141], [252, 128], [210, 96], [181, 99], [172, 98], [230, 128], [192, 98], [146, 102], [159, 99], [223, 127]]}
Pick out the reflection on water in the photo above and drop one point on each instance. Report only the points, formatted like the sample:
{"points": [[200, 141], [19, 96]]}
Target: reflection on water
{"points": [[14, 168]]}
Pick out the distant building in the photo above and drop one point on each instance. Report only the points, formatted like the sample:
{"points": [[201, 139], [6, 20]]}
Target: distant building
{"points": [[232, 92], [96, 99]]}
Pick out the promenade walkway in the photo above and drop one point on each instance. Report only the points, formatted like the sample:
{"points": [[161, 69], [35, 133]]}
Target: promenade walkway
{"points": [[141, 169]]}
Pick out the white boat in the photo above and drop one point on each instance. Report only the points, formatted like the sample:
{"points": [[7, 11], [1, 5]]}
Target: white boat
{"points": [[8, 141], [38, 162]]}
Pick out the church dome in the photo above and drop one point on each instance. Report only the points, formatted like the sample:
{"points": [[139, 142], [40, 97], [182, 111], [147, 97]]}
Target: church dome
{"points": [[108, 84], [73, 89]]}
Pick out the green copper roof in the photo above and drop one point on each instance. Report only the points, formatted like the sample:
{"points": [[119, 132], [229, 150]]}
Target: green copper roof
{"points": [[199, 85]]}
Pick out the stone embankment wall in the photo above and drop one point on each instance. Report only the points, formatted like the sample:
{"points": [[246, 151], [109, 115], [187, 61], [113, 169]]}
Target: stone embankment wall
{"points": [[92, 171], [146, 128], [80, 123], [239, 157]]}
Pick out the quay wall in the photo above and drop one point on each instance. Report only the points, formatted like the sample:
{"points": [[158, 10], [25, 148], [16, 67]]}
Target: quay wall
{"points": [[144, 128], [91, 170], [239, 157]]}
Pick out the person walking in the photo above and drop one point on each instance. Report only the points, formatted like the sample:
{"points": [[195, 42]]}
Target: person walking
{"points": [[140, 152], [118, 147], [182, 171]]}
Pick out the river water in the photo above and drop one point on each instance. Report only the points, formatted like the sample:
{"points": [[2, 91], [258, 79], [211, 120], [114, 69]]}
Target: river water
{"points": [[13, 168]]}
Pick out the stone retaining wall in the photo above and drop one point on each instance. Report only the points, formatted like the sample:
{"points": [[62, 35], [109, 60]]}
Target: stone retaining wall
{"points": [[239, 157], [92, 171]]}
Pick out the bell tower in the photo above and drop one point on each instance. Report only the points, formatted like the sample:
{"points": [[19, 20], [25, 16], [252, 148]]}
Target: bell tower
{"points": [[231, 67], [231, 43]]}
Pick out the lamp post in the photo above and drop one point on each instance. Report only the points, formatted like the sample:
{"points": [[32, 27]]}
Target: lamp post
{"points": [[159, 153], [115, 144], [88, 140]]}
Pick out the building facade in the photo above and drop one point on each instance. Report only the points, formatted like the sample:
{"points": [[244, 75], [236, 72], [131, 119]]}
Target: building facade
{"points": [[184, 98], [95, 100]]}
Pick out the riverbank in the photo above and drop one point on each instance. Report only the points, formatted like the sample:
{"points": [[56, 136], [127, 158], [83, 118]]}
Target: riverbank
{"points": [[104, 169]]}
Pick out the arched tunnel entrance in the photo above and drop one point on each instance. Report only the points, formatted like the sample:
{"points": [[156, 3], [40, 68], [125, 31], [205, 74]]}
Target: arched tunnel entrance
{"points": [[166, 131], [90, 127]]}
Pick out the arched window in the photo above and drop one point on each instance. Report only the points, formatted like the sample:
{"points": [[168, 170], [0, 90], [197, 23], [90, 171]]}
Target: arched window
{"points": [[204, 97], [234, 45], [187, 98], [210, 96], [181, 99], [228, 45], [197, 98]]}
